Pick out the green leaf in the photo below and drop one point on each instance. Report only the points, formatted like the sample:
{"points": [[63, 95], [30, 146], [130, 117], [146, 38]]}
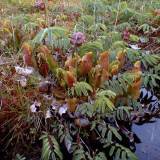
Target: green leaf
{"points": [[111, 151], [131, 155], [56, 36], [109, 136], [100, 156], [107, 93], [91, 47], [50, 147], [102, 103], [117, 155], [115, 132], [124, 155], [134, 38], [19, 157], [82, 88], [104, 130]]}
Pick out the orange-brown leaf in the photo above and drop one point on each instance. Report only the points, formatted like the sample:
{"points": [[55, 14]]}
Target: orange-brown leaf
{"points": [[114, 70], [72, 104], [121, 58], [46, 55], [104, 76], [134, 89], [70, 62], [86, 63], [104, 60], [137, 66]]}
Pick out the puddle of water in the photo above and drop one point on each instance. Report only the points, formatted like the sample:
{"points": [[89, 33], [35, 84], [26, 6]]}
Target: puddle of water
{"points": [[149, 135]]}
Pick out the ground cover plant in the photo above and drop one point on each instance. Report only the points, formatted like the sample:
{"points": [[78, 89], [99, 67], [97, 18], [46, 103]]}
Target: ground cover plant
{"points": [[74, 78]]}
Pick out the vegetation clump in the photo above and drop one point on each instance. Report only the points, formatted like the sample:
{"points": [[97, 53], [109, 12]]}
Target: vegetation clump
{"points": [[73, 80]]}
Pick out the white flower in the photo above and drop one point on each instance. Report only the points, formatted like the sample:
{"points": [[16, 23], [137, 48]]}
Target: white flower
{"points": [[47, 97], [144, 39], [1, 84], [23, 81], [134, 46], [48, 114], [24, 71], [63, 109], [55, 105], [35, 107]]}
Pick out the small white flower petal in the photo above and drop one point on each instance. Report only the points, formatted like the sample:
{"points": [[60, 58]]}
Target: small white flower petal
{"points": [[134, 46], [63, 109], [23, 81], [47, 97], [48, 114], [55, 105], [144, 39], [33, 108]]}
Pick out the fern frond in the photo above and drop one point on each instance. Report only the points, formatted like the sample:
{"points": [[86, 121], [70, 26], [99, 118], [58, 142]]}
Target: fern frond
{"points": [[120, 85], [81, 89], [92, 7], [88, 20], [122, 26], [107, 93], [30, 26], [117, 86], [132, 55], [150, 60], [19, 157], [107, 131], [151, 79], [103, 102], [78, 153], [50, 147], [93, 47], [121, 152], [55, 36], [86, 109], [98, 27], [115, 132], [100, 156], [145, 27], [119, 44], [123, 113]]}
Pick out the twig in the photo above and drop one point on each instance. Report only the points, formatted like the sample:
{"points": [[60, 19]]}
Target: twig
{"points": [[85, 144], [117, 14]]}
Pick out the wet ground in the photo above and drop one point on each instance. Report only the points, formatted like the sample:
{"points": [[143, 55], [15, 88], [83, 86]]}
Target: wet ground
{"points": [[149, 134]]}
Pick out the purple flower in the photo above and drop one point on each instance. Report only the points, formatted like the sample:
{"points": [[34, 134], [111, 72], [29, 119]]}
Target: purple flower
{"points": [[39, 4], [78, 38]]}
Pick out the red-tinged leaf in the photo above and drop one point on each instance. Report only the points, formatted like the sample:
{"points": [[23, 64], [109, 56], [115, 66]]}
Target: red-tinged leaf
{"points": [[27, 54], [46, 56], [44, 69], [70, 78]]}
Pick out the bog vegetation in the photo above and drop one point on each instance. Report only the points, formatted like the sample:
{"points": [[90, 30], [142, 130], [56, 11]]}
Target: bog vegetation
{"points": [[74, 76]]}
